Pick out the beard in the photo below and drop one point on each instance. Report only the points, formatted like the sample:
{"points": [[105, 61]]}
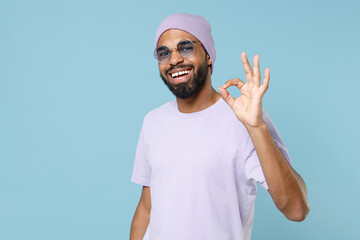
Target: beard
{"points": [[192, 86]]}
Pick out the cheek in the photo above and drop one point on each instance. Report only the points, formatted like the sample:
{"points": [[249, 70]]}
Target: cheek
{"points": [[162, 69], [198, 59]]}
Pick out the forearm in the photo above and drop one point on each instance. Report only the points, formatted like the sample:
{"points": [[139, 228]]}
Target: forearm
{"points": [[139, 223], [286, 187]]}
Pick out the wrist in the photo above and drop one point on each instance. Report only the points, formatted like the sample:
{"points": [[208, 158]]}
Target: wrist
{"points": [[258, 128]]}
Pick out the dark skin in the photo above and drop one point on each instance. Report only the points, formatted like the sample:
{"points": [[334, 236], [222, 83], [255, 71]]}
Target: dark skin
{"points": [[207, 96], [141, 218], [286, 186]]}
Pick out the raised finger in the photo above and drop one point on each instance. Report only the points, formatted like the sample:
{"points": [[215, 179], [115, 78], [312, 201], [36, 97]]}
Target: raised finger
{"points": [[256, 71], [265, 85], [247, 67]]}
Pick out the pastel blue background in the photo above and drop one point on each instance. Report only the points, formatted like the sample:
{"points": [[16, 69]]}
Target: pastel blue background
{"points": [[77, 78]]}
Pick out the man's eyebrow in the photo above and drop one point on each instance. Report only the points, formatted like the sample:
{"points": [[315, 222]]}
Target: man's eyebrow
{"points": [[161, 48], [186, 42]]}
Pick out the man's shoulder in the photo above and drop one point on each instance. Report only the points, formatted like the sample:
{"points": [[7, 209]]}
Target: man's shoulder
{"points": [[161, 111]]}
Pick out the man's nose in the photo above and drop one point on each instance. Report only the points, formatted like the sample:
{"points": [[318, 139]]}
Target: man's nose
{"points": [[175, 58]]}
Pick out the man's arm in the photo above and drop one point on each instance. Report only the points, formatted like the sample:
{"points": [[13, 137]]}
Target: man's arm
{"points": [[286, 187], [141, 218]]}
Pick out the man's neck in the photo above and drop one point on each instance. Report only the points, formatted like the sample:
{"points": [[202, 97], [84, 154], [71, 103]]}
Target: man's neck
{"points": [[206, 97]]}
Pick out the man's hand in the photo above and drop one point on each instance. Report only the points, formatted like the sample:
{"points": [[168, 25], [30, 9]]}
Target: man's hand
{"points": [[247, 107], [286, 186]]}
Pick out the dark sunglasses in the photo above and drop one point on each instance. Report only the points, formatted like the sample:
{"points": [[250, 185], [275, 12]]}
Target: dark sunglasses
{"points": [[185, 48]]}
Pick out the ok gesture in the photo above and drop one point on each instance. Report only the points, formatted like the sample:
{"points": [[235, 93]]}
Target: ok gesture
{"points": [[247, 107]]}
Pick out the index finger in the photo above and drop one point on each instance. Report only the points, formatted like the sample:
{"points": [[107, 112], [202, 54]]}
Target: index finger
{"points": [[234, 82]]}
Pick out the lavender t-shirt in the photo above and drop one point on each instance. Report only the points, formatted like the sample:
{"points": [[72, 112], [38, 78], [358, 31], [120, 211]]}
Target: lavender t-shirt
{"points": [[202, 170]]}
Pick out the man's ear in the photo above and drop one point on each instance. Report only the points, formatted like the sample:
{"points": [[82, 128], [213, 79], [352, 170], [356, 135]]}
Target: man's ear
{"points": [[208, 59]]}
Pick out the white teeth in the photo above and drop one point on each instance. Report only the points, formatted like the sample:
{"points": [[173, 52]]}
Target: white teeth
{"points": [[179, 73]]}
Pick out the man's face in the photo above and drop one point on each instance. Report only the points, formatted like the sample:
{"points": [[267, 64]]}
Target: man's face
{"points": [[183, 76]]}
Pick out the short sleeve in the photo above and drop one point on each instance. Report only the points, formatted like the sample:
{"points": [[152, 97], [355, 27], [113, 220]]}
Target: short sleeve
{"points": [[142, 170], [252, 165]]}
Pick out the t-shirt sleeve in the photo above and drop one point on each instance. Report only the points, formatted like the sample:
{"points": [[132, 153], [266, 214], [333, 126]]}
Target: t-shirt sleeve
{"points": [[142, 169], [252, 165]]}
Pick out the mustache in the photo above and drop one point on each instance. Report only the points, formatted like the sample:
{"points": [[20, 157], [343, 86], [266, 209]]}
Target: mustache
{"points": [[179, 66]]}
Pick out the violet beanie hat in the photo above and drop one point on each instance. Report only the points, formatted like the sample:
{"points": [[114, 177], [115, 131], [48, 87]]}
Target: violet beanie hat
{"points": [[196, 25]]}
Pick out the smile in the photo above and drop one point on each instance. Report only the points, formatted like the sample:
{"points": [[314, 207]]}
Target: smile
{"points": [[176, 74], [180, 75]]}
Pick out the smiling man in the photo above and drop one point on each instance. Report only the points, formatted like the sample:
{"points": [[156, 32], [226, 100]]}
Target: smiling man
{"points": [[181, 78], [199, 157]]}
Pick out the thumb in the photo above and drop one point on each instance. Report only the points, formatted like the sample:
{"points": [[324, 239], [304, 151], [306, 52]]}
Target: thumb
{"points": [[226, 96]]}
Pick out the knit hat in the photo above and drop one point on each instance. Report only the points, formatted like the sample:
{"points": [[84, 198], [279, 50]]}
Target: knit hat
{"points": [[196, 25]]}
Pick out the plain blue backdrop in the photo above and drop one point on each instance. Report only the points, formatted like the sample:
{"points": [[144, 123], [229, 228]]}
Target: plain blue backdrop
{"points": [[77, 78]]}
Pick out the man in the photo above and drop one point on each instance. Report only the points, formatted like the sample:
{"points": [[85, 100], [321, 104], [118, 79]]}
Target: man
{"points": [[199, 157]]}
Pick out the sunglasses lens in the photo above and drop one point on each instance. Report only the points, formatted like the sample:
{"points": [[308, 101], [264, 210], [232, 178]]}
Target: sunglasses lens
{"points": [[185, 48], [163, 54]]}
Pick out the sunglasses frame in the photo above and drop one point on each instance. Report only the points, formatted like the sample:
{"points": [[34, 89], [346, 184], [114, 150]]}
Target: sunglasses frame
{"points": [[171, 49]]}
